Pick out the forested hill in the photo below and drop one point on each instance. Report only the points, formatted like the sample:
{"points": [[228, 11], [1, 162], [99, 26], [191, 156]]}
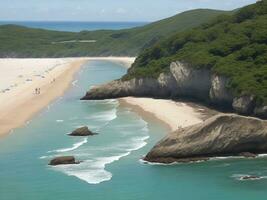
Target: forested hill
{"points": [[18, 41], [231, 45]]}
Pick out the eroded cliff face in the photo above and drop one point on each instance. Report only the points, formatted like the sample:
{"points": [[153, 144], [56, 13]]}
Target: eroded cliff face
{"points": [[221, 135], [219, 94], [182, 80]]}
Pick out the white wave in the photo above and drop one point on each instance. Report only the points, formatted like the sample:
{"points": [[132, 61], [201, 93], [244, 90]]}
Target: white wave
{"points": [[104, 116], [91, 171], [137, 143], [157, 163], [74, 146], [59, 120], [113, 102], [225, 157], [262, 155], [74, 83], [168, 164], [145, 129], [241, 177], [45, 157], [137, 124], [236, 157]]}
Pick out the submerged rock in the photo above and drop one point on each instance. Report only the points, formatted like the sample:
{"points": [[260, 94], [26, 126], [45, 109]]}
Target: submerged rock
{"points": [[63, 160], [250, 177], [248, 155], [83, 131], [221, 135]]}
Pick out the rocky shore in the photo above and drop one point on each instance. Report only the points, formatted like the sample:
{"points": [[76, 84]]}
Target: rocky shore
{"points": [[182, 80], [221, 135]]}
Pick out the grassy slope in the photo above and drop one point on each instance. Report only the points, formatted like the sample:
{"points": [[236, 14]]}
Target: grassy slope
{"points": [[17, 41], [235, 46]]}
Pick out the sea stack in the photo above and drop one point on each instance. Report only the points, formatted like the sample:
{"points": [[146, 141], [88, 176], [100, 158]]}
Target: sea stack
{"points": [[83, 131], [63, 160]]}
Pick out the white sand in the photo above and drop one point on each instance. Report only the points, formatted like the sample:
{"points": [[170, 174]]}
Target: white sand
{"points": [[20, 77], [174, 114]]}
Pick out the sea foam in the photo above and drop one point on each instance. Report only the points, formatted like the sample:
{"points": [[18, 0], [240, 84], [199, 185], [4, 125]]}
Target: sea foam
{"points": [[128, 137], [74, 146], [91, 171]]}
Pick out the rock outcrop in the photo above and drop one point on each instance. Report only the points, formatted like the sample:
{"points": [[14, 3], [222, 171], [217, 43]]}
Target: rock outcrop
{"points": [[219, 94], [250, 177], [83, 131], [221, 135], [63, 160], [244, 104], [182, 80]]}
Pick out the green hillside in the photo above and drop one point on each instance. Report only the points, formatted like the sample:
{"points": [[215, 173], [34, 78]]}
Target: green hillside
{"points": [[17, 41], [233, 45]]}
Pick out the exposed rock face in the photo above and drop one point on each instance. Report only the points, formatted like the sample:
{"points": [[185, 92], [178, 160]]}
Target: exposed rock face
{"points": [[64, 160], [221, 135], [261, 111], [219, 93], [244, 104], [83, 131], [182, 80], [190, 82]]}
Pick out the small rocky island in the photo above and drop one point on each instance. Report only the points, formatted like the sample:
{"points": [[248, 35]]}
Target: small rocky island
{"points": [[83, 131], [221, 135], [63, 160]]}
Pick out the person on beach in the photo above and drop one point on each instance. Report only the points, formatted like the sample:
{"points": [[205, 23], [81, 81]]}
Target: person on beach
{"points": [[36, 90]]}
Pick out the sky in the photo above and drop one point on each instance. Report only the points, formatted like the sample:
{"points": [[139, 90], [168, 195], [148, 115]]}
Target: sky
{"points": [[106, 10]]}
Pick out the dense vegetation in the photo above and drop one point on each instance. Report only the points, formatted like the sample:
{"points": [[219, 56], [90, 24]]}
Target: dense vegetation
{"points": [[231, 45], [17, 41]]}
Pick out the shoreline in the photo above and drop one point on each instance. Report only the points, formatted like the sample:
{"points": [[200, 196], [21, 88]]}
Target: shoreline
{"points": [[20, 104], [173, 114]]}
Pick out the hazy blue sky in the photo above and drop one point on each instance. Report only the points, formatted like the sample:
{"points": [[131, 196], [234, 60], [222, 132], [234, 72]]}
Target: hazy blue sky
{"points": [[106, 10]]}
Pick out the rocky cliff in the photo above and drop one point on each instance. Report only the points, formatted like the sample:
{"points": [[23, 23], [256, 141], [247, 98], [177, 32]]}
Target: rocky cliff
{"points": [[221, 135], [182, 80]]}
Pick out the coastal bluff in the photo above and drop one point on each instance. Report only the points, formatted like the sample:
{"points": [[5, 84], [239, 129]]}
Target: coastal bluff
{"points": [[221, 135], [182, 81]]}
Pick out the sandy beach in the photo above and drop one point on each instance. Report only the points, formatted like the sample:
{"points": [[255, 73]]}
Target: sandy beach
{"points": [[19, 79], [174, 114], [19, 102]]}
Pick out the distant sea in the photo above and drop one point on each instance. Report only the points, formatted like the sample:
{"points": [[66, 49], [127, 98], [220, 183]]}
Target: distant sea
{"points": [[75, 26]]}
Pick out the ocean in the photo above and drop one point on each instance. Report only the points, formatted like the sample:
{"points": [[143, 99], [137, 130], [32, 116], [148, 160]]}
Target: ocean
{"points": [[75, 26]]}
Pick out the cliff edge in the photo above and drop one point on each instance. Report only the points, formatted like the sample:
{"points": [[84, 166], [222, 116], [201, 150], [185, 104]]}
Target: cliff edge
{"points": [[182, 80]]}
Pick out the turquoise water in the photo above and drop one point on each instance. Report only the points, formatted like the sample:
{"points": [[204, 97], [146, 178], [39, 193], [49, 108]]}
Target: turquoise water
{"points": [[112, 168], [75, 26]]}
